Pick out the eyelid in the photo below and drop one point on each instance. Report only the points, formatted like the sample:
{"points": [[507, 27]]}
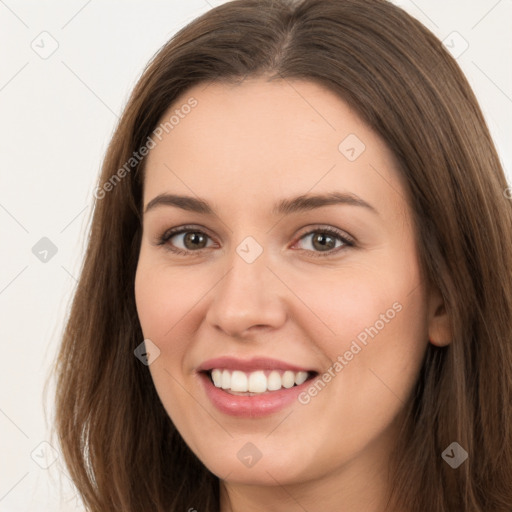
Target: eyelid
{"points": [[347, 241], [325, 228], [178, 230]]}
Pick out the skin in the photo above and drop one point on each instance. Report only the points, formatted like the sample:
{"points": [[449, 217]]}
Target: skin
{"points": [[242, 149]]}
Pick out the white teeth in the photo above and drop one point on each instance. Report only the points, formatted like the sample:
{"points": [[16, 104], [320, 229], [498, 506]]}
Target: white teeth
{"points": [[238, 381], [300, 377], [226, 379], [274, 381], [288, 379], [217, 378], [257, 381]]}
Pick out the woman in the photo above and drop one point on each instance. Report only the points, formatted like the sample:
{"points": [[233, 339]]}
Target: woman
{"points": [[341, 338]]}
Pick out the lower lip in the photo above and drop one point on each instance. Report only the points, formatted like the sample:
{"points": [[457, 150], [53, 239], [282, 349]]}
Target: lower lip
{"points": [[254, 406]]}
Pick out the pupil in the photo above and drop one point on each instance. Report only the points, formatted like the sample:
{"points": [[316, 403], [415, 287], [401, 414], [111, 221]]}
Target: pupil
{"points": [[193, 237], [321, 239]]}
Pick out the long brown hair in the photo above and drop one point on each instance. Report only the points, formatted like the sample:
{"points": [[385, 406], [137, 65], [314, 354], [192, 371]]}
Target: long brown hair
{"points": [[121, 448]]}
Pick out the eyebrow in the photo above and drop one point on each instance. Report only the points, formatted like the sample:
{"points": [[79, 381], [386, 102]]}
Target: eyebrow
{"points": [[284, 207]]}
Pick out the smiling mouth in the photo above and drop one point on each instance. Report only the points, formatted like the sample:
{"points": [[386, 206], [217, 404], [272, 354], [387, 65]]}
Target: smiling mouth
{"points": [[237, 382]]}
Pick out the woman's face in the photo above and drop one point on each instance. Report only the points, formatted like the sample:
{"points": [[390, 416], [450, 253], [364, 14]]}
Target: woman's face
{"points": [[297, 259]]}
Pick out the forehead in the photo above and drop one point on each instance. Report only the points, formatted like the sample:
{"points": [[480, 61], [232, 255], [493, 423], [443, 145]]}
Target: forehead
{"points": [[243, 144]]}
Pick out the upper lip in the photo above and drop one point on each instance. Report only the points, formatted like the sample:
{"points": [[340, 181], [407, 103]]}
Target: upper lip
{"points": [[248, 365]]}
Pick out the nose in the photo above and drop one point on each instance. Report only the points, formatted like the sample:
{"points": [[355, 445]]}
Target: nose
{"points": [[247, 300]]}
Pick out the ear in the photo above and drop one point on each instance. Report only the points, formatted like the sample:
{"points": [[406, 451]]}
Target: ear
{"points": [[439, 328]]}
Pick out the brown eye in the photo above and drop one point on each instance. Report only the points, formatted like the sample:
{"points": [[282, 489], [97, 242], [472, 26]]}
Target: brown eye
{"points": [[322, 242], [325, 240], [194, 240], [186, 240]]}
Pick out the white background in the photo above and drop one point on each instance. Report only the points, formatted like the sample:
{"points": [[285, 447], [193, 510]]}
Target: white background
{"points": [[56, 119]]}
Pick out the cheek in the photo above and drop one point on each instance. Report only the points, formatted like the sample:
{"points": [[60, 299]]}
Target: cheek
{"points": [[162, 308], [164, 297], [377, 329], [376, 355], [379, 351], [342, 305], [169, 306]]}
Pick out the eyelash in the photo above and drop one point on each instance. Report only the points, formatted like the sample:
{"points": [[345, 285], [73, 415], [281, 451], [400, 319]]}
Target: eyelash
{"points": [[347, 241]]}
